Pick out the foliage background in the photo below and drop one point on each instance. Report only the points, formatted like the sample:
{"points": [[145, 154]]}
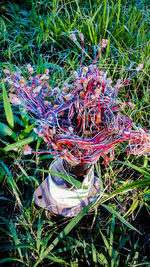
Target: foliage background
{"points": [[37, 32]]}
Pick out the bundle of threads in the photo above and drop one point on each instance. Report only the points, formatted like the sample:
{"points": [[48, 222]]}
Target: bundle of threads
{"points": [[81, 120]]}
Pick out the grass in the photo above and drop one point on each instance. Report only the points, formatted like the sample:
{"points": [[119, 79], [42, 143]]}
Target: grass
{"points": [[116, 231]]}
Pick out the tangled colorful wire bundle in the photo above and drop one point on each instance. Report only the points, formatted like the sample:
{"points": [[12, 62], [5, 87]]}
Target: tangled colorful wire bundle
{"points": [[81, 120]]}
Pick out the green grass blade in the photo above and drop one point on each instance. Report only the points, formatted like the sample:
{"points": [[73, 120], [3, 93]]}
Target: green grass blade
{"points": [[23, 142], [7, 107], [105, 241], [15, 238], [142, 183], [134, 167], [56, 259], [98, 170], [10, 259], [20, 246], [123, 242], [26, 131], [38, 238], [103, 259], [146, 264], [112, 228], [94, 254], [13, 185], [30, 178], [96, 12], [69, 179], [115, 213], [132, 208], [118, 14], [6, 131]]}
